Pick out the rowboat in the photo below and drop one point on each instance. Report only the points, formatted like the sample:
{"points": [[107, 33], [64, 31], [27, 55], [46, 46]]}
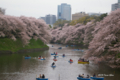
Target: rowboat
{"points": [[60, 48], [39, 58], [27, 57], [53, 54], [42, 59], [55, 59], [70, 61], [81, 62], [41, 78], [80, 78], [53, 66], [56, 56], [63, 56], [97, 78], [78, 50], [66, 45]]}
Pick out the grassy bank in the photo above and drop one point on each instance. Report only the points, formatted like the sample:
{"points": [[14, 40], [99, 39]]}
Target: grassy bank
{"points": [[10, 45]]}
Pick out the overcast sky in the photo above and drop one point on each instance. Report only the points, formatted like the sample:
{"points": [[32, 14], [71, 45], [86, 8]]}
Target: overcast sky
{"points": [[40, 8]]}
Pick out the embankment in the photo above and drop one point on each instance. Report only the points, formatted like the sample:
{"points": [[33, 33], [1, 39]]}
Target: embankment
{"points": [[8, 46]]}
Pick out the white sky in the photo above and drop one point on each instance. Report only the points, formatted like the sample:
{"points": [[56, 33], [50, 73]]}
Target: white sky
{"points": [[40, 8]]}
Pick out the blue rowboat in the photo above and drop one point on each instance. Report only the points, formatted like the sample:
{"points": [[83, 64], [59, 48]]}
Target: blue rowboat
{"points": [[53, 54], [78, 50], [80, 78], [53, 66], [41, 78], [56, 56], [63, 56], [60, 48], [42, 59], [97, 78], [27, 57], [66, 45], [70, 61]]}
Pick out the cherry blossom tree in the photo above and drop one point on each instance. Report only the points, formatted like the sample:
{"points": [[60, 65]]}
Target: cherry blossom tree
{"points": [[24, 28]]}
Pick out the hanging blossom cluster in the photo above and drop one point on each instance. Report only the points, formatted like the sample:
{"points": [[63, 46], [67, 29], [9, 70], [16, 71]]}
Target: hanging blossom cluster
{"points": [[24, 28], [78, 34]]}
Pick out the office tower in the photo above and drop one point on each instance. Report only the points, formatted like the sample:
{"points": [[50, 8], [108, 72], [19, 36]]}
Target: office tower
{"points": [[64, 12], [116, 6], [43, 18], [50, 19]]}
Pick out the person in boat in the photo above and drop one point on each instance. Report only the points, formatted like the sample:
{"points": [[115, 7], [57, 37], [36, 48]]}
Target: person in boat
{"points": [[79, 58], [82, 75], [63, 54], [83, 59], [54, 52], [27, 56], [43, 76], [79, 75], [94, 75], [54, 57], [40, 76], [39, 56], [53, 64], [88, 61], [43, 57], [88, 76], [71, 60]]}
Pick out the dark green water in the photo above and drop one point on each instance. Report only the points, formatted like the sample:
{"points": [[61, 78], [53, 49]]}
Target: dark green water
{"points": [[15, 67]]}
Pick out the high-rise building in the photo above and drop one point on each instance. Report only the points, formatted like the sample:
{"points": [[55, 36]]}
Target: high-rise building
{"points": [[2, 11], [53, 20], [43, 18], [64, 12], [47, 18], [50, 19], [116, 5], [118, 1]]}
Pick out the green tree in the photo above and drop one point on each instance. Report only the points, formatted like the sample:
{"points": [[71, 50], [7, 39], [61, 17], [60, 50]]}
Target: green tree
{"points": [[50, 26], [61, 23]]}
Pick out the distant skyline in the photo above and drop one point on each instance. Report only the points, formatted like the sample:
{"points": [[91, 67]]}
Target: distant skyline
{"points": [[40, 8]]}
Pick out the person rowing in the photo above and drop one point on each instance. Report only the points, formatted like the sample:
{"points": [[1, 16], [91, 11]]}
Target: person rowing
{"points": [[88, 76], [79, 58], [43, 57], [63, 54], [54, 58], [94, 75], [71, 60], [53, 64], [40, 56], [56, 53], [79, 76]]}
